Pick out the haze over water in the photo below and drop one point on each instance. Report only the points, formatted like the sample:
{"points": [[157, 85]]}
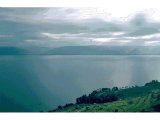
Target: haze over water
{"points": [[35, 83]]}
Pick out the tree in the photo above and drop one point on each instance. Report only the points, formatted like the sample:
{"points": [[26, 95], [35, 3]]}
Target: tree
{"points": [[153, 82], [82, 99], [59, 107], [115, 89], [106, 89], [69, 104]]}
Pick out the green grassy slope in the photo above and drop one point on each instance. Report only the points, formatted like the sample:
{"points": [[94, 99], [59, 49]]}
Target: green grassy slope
{"points": [[136, 99]]}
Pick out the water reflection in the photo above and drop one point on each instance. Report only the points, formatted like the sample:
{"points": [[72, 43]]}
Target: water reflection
{"points": [[34, 83]]}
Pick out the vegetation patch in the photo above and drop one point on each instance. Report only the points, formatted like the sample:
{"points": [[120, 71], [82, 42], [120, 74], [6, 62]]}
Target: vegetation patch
{"points": [[129, 99]]}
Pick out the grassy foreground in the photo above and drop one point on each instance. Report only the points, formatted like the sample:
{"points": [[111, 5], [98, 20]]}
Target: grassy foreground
{"points": [[134, 99]]}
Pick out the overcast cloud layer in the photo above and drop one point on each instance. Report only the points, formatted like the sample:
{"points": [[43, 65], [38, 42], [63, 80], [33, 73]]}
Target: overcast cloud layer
{"points": [[77, 26]]}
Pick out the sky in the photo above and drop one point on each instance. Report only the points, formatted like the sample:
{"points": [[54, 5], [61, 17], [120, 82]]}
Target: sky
{"points": [[62, 26]]}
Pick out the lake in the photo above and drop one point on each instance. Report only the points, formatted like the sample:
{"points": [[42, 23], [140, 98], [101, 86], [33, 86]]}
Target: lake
{"points": [[35, 83]]}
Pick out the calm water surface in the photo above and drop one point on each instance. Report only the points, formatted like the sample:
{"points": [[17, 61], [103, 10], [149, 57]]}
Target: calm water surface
{"points": [[35, 83]]}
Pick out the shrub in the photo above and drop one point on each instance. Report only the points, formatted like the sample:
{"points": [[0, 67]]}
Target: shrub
{"points": [[116, 110], [115, 89], [59, 107], [69, 104], [153, 82]]}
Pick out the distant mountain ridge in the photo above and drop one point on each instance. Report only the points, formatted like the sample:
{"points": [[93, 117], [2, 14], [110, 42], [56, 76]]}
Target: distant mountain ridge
{"points": [[12, 50], [105, 50], [81, 50], [5, 50]]}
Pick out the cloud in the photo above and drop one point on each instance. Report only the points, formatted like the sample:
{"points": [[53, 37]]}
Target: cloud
{"points": [[20, 14], [102, 40], [142, 25], [151, 43], [75, 26]]}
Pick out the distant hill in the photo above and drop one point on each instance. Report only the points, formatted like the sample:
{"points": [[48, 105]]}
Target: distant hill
{"points": [[5, 50], [81, 50], [105, 50], [129, 99], [29, 50]]}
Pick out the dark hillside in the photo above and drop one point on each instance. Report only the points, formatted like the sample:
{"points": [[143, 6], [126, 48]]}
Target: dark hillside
{"points": [[130, 99]]}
